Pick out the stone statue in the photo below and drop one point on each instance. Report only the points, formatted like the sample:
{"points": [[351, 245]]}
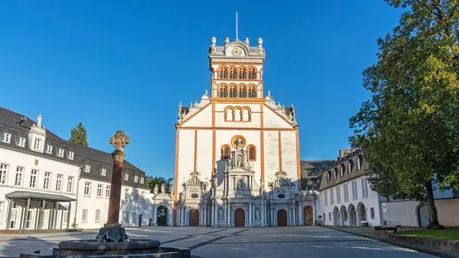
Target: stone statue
{"points": [[227, 41], [240, 184], [239, 161], [257, 213], [215, 182], [214, 41], [163, 188], [155, 189], [247, 40], [39, 118], [220, 213], [238, 143], [260, 42]]}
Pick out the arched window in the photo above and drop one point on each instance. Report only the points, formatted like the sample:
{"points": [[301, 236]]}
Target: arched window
{"points": [[245, 114], [226, 151], [223, 91], [233, 73], [223, 73], [252, 92], [252, 152], [238, 114], [242, 73], [341, 171], [233, 91], [242, 91], [252, 73], [335, 173], [229, 114], [328, 176]]}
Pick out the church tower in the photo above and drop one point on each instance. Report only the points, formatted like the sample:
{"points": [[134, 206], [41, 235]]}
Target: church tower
{"points": [[237, 70], [237, 151]]}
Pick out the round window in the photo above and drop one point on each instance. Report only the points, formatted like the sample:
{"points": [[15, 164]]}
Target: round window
{"points": [[281, 196], [195, 195]]}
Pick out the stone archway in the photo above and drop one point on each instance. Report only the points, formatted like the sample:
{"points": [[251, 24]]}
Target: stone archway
{"points": [[361, 213], [352, 215], [308, 216], [281, 218], [336, 217], [194, 218], [239, 217], [161, 217], [344, 215]]}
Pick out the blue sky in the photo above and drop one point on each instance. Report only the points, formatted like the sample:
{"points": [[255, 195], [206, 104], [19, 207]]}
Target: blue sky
{"points": [[127, 64]]}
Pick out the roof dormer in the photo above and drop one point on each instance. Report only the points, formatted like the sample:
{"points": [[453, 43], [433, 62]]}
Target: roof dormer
{"points": [[37, 136]]}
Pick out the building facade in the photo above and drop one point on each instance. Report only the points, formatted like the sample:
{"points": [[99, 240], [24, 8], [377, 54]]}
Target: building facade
{"points": [[347, 198], [49, 183], [237, 151]]}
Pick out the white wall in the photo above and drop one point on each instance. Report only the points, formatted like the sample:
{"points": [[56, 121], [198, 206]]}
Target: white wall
{"points": [[130, 208], [405, 213], [372, 201]]}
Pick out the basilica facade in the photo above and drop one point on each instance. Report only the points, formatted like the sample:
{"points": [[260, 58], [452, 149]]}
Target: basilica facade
{"points": [[237, 161]]}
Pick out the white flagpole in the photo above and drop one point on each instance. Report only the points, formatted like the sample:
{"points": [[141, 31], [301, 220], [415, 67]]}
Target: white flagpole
{"points": [[236, 27]]}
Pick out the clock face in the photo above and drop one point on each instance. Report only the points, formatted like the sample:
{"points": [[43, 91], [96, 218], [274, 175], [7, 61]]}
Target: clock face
{"points": [[237, 51]]}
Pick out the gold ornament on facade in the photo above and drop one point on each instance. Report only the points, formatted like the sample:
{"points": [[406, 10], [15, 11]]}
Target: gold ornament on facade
{"points": [[237, 51], [238, 140]]}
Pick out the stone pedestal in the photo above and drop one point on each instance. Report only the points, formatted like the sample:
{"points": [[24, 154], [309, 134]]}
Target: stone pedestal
{"points": [[112, 233]]}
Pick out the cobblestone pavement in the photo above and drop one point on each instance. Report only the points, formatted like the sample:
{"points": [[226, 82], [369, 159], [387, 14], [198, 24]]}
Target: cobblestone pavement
{"points": [[230, 242]]}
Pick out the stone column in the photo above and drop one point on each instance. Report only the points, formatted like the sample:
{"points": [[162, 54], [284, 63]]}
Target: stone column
{"points": [[112, 230], [26, 213], [155, 215], [262, 213], [170, 216]]}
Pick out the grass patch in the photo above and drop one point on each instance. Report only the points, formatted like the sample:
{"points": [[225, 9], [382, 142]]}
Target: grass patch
{"points": [[449, 233]]}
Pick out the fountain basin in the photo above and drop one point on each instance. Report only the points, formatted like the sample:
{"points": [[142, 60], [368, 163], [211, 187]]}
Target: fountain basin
{"points": [[134, 248]]}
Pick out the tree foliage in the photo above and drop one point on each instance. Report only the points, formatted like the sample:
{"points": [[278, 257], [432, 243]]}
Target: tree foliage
{"points": [[78, 135], [157, 180], [409, 129]]}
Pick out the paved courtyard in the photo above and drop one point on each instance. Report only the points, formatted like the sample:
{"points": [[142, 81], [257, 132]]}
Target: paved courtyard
{"points": [[231, 242]]}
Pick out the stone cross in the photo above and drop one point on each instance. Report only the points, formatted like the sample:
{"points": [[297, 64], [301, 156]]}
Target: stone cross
{"points": [[119, 140]]}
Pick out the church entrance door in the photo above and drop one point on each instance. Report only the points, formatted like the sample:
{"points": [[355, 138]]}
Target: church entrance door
{"points": [[194, 218], [308, 215], [239, 217], [281, 218]]}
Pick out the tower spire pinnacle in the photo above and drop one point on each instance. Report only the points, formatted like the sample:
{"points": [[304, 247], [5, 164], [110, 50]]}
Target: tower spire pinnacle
{"points": [[236, 28]]}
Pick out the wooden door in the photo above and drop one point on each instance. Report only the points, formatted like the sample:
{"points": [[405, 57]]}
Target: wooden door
{"points": [[194, 218], [308, 221], [239, 217], [281, 218]]}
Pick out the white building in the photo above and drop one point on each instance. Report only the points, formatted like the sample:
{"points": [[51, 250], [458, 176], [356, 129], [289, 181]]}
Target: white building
{"points": [[347, 198], [237, 152], [49, 183]]}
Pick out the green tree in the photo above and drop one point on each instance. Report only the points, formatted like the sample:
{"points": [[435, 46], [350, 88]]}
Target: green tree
{"points": [[78, 135], [157, 180], [409, 129]]}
